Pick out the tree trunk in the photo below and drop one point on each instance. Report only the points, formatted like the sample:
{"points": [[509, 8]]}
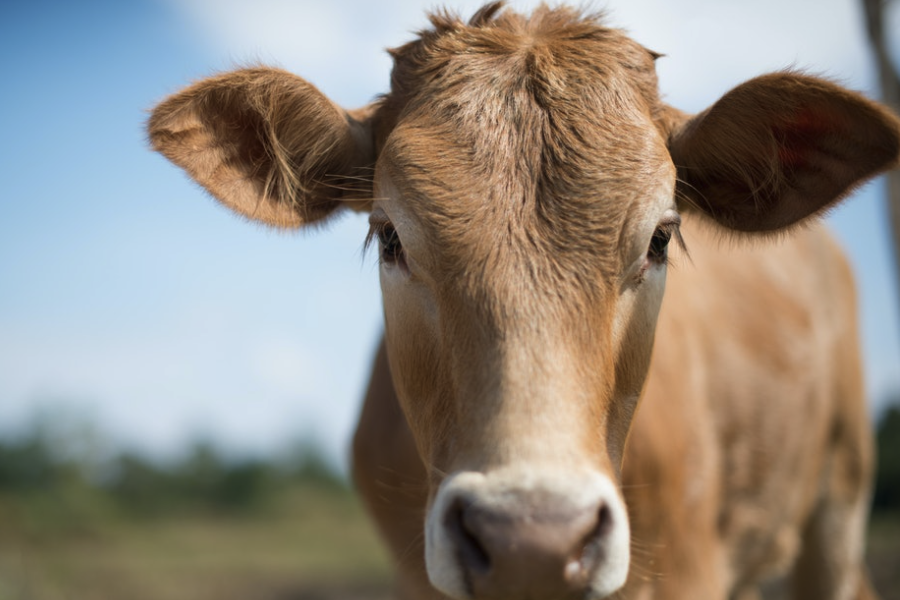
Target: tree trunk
{"points": [[889, 80]]}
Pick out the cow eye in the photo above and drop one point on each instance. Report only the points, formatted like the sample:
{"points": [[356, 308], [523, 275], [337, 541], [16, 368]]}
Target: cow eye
{"points": [[659, 244], [391, 248], [669, 228]]}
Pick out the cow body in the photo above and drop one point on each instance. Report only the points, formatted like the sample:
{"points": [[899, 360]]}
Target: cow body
{"points": [[565, 428]]}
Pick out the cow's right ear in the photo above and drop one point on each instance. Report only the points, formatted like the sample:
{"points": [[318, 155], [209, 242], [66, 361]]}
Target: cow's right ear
{"points": [[267, 144]]}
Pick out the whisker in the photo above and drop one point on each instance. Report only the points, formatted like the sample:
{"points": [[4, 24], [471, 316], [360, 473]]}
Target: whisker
{"points": [[690, 199], [635, 486], [360, 178], [409, 486], [340, 187], [415, 548], [432, 470]]}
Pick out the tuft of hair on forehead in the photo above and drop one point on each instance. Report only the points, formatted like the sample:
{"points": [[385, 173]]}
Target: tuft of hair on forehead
{"points": [[445, 20], [492, 14], [580, 38], [558, 79]]}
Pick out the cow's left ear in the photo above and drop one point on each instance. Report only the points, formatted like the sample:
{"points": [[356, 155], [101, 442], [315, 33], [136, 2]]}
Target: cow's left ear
{"points": [[780, 148]]}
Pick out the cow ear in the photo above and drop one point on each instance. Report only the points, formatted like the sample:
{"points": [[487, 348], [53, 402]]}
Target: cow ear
{"points": [[780, 148], [267, 144]]}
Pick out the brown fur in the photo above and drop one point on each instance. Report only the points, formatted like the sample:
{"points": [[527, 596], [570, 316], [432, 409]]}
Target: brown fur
{"points": [[526, 163]]}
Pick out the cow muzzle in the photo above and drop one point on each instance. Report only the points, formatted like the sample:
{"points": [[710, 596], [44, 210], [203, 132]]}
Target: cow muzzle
{"points": [[520, 536]]}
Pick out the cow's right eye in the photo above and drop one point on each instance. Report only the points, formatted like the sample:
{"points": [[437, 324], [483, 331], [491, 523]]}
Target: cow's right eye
{"points": [[389, 241]]}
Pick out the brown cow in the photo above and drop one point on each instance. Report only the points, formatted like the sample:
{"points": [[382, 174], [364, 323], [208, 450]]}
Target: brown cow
{"points": [[527, 190]]}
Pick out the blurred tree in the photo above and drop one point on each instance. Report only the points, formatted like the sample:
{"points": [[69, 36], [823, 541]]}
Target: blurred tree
{"points": [[201, 472], [139, 486], [27, 465], [879, 30], [63, 467], [52, 451], [244, 485], [306, 464], [887, 480]]}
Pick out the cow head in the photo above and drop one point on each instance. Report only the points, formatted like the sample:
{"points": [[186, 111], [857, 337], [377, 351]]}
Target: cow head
{"points": [[525, 184]]}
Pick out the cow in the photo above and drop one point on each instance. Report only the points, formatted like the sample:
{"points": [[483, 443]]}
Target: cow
{"points": [[542, 422]]}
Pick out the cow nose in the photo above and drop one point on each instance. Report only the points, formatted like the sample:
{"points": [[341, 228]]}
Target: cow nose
{"points": [[544, 552]]}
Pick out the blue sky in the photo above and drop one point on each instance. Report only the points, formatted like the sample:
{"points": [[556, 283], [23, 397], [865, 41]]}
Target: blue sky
{"points": [[128, 297]]}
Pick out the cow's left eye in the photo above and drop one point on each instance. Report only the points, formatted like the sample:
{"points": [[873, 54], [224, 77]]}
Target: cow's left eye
{"points": [[667, 229], [659, 244], [391, 248]]}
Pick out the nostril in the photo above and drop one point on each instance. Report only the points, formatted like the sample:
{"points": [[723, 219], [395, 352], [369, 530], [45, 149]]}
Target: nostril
{"points": [[604, 523], [592, 547], [472, 555]]}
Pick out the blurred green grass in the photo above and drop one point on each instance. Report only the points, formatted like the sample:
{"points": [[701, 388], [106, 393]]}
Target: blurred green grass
{"points": [[309, 542]]}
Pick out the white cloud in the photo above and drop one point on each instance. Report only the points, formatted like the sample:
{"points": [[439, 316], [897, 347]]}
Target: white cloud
{"points": [[713, 45]]}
